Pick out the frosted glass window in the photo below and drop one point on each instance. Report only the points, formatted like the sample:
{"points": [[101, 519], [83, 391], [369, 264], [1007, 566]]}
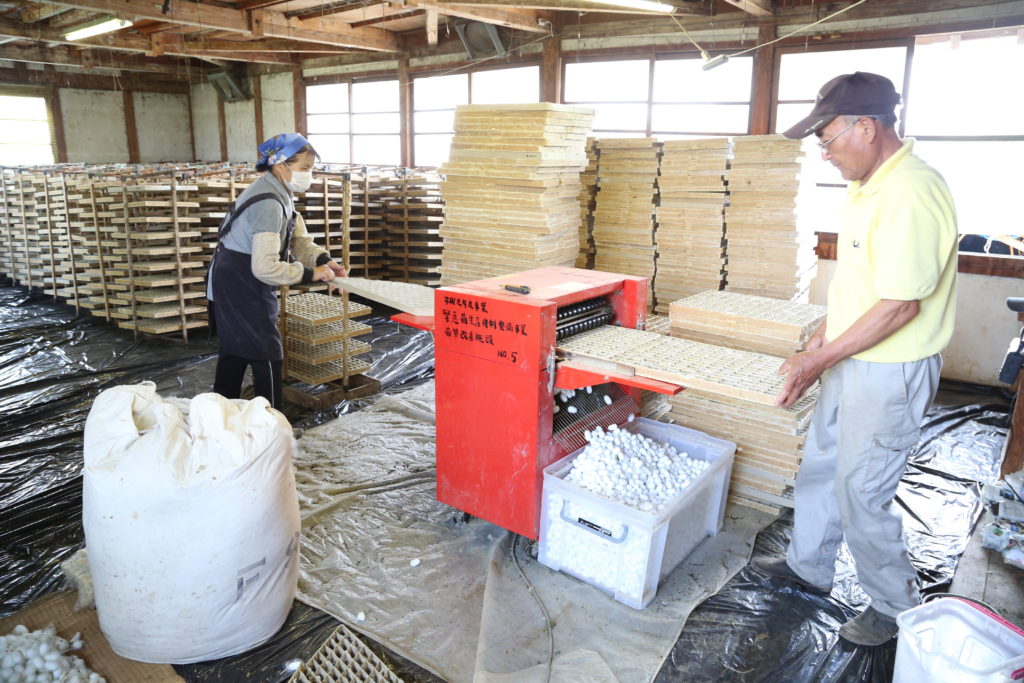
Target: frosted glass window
{"points": [[683, 80], [327, 123], [375, 123], [620, 117], [440, 92], [24, 131], [378, 150], [621, 81], [519, 85], [967, 87], [802, 73], [434, 121], [373, 96], [701, 118], [432, 150], [327, 99], [333, 149]]}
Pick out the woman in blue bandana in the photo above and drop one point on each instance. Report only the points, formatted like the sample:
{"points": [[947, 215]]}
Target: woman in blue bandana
{"points": [[262, 244]]}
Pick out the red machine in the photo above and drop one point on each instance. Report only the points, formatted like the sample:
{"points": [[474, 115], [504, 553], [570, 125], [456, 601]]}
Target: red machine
{"points": [[496, 376]]}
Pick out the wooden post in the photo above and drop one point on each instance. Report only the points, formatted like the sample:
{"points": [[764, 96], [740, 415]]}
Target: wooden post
{"points": [[551, 70], [346, 215], [282, 327], [49, 235], [327, 217], [57, 116], [24, 228], [130, 127], [99, 251], [71, 243], [406, 129], [762, 98], [128, 254], [222, 122], [177, 258], [191, 126], [299, 95], [257, 97], [10, 225], [366, 222], [405, 228]]}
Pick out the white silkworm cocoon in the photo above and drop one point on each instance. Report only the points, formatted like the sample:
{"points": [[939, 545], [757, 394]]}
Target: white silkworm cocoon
{"points": [[40, 656], [414, 563]]}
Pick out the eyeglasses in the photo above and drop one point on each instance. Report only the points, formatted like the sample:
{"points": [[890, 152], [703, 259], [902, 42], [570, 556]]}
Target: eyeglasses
{"points": [[823, 144]]}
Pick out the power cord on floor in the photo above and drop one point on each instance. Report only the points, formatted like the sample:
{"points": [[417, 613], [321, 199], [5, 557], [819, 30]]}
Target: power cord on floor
{"points": [[540, 603]]}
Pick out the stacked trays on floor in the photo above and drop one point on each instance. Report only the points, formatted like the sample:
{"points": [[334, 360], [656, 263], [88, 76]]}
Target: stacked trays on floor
{"points": [[511, 189]]}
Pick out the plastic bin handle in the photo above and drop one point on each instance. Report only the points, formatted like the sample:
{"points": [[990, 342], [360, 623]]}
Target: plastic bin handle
{"points": [[595, 529]]}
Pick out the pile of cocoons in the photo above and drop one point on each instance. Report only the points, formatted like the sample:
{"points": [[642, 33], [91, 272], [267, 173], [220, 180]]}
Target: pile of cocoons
{"points": [[38, 657], [633, 469]]}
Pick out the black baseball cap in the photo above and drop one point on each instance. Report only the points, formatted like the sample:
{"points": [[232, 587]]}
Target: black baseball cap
{"points": [[857, 93]]}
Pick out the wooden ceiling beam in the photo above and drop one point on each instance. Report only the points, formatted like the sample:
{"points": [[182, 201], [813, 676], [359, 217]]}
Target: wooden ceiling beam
{"points": [[403, 14], [682, 8], [513, 17], [67, 56], [64, 79], [759, 8], [32, 12], [334, 8], [273, 45], [274, 24]]}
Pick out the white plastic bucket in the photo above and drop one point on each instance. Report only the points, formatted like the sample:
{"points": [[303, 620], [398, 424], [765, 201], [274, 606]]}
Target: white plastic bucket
{"points": [[954, 640]]}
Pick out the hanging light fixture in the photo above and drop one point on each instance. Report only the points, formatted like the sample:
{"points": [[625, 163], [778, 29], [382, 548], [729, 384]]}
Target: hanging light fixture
{"points": [[98, 27]]}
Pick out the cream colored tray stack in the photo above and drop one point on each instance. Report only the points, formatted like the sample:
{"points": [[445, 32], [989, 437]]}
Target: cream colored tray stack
{"points": [[624, 213], [768, 254], [744, 321], [511, 189], [769, 440], [588, 199], [691, 229]]}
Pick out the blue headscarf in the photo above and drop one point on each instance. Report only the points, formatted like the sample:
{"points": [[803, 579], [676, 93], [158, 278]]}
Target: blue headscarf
{"points": [[280, 147]]}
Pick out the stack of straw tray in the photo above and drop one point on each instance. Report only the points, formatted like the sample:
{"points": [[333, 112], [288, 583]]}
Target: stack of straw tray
{"points": [[99, 276], [413, 216], [769, 254], [588, 198], [511, 189], [319, 338], [744, 321], [729, 394], [691, 229], [624, 213]]}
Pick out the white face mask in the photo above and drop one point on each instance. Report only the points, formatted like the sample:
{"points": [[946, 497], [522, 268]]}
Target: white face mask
{"points": [[301, 180]]}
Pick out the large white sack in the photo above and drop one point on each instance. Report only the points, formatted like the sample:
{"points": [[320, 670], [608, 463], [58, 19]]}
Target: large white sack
{"points": [[191, 522]]}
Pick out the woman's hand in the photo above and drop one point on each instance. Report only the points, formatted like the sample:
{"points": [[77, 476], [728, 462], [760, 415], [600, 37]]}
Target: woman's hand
{"points": [[323, 273], [338, 270]]}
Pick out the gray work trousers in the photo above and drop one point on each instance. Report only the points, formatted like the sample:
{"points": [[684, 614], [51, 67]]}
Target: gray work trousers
{"points": [[864, 424]]}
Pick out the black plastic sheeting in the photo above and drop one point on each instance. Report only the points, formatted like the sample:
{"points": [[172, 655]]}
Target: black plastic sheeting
{"points": [[53, 364], [758, 629]]}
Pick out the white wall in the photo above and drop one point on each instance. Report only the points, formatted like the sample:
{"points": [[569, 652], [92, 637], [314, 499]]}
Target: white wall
{"points": [[162, 124], [94, 125], [278, 104], [984, 326], [205, 124], [240, 118]]}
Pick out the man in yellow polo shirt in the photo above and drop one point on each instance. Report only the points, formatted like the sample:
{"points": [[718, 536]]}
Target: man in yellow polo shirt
{"points": [[890, 313]]}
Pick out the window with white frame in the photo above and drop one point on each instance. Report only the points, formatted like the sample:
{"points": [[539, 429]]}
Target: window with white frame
{"points": [[688, 101], [435, 98], [376, 123], [801, 74], [619, 91], [327, 122], [356, 122], [968, 126], [24, 131]]}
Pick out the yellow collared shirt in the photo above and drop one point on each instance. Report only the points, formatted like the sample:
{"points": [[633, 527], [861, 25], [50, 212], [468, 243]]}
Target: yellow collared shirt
{"points": [[898, 241]]}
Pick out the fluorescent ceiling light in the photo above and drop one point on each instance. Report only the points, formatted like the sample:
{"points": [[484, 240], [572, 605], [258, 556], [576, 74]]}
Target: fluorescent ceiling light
{"points": [[648, 5], [97, 28]]}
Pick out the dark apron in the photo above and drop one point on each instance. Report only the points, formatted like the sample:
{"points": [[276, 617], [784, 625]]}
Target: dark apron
{"points": [[244, 310]]}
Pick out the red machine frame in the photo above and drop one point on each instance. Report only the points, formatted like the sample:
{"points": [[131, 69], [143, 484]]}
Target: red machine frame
{"points": [[495, 377]]}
